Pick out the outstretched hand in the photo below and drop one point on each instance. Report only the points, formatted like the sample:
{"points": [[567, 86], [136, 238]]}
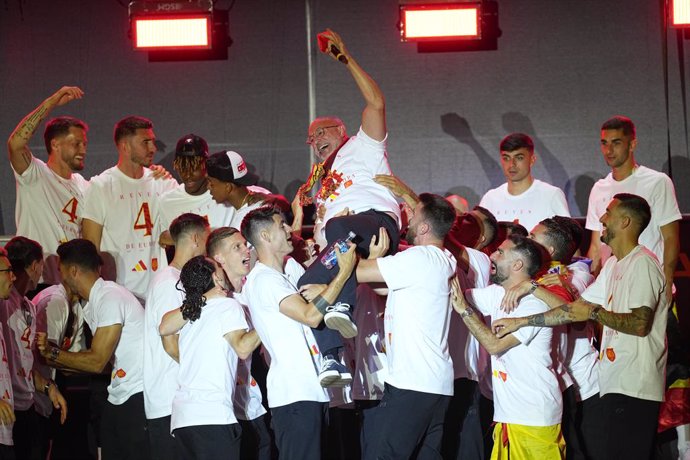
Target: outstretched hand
{"points": [[346, 260], [392, 183], [66, 94], [379, 248], [334, 39], [513, 295], [504, 326]]}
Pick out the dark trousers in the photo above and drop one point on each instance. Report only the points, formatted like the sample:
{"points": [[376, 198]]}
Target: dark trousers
{"points": [[30, 435], [409, 424], [365, 225], [299, 429], [592, 426], [486, 418], [208, 442], [366, 412], [462, 430], [123, 430], [630, 427], [256, 439], [161, 442], [7, 452], [570, 426]]}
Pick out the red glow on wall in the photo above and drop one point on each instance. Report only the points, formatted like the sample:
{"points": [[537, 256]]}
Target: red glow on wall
{"points": [[680, 13], [178, 32], [440, 22]]}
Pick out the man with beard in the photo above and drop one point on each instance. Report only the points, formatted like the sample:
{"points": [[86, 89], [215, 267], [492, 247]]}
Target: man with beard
{"points": [[527, 397], [419, 380], [121, 209], [7, 417], [50, 195], [628, 300]]}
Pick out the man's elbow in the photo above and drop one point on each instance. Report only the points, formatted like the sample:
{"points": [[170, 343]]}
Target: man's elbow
{"points": [[313, 322]]}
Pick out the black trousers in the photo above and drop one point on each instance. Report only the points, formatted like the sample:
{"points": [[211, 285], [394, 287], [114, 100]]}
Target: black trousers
{"points": [[209, 442], [123, 430], [256, 439], [161, 442], [630, 427], [300, 429], [365, 225], [409, 424], [462, 430], [30, 435]]}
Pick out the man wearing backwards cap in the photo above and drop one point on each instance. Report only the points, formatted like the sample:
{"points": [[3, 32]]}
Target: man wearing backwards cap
{"points": [[193, 196], [230, 181]]}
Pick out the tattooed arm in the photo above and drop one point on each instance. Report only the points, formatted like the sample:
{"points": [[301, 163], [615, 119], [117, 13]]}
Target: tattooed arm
{"points": [[18, 143]]}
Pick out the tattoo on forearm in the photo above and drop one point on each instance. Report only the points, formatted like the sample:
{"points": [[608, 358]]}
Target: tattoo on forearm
{"points": [[536, 320], [555, 317], [634, 323]]}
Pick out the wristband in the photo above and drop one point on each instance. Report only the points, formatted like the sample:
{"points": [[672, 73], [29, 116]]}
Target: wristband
{"points": [[46, 388], [54, 353], [468, 312], [534, 287], [321, 304]]}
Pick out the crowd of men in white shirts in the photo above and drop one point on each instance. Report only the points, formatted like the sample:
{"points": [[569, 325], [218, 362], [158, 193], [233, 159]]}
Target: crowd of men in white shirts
{"points": [[434, 321]]}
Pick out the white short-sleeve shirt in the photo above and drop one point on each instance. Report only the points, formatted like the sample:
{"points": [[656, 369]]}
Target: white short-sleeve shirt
{"points": [[110, 304], [5, 388], [293, 374], [628, 364], [417, 319], [208, 366], [535, 204], [526, 388]]}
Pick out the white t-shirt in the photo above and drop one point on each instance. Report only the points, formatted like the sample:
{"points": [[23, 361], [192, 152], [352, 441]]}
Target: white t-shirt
{"points": [[293, 375], [247, 397], [109, 304], [582, 359], [5, 387], [160, 370], [526, 389], [128, 210], [653, 186], [535, 204], [631, 365], [48, 210], [470, 360], [18, 319], [208, 366], [64, 325], [417, 318], [353, 170], [177, 202]]}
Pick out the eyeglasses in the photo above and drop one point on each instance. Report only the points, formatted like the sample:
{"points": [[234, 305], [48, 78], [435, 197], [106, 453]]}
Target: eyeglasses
{"points": [[318, 133]]}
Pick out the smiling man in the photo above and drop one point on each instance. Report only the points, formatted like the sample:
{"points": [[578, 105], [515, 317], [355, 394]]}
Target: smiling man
{"points": [[121, 208], [523, 198], [50, 194]]}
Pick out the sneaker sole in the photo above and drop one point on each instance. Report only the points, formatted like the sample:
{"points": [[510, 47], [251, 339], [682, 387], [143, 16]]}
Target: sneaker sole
{"points": [[341, 323], [341, 381], [328, 378]]}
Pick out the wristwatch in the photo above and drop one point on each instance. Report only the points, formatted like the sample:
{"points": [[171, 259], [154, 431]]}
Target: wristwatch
{"points": [[54, 353], [534, 287], [468, 312], [46, 388], [594, 313]]}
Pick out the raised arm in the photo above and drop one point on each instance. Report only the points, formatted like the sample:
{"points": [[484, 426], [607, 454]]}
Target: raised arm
{"points": [[374, 114], [18, 143], [311, 313], [594, 252]]}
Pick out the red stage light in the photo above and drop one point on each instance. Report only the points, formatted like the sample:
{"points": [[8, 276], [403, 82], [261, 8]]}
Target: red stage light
{"points": [[680, 13], [172, 33], [440, 22]]}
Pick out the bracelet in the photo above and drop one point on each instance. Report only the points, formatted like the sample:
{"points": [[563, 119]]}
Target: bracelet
{"points": [[321, 304], [534, 287], [468, 312], [594, 314], [46, 388]]}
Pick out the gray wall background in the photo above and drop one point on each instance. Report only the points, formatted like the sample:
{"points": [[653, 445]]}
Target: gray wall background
{"points": [[561, 68]]}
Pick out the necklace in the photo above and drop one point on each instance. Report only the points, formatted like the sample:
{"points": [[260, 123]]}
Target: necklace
{"points": [[246, 197]]}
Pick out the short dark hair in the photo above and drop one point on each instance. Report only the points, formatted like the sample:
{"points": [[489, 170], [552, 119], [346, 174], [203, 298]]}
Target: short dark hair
{"points": [[257, 220], [22, 252], [216, 237], [58, 127], [561, 239], [513, 228], [574, 227], [637, 207], [515, 141], [80, 252], [531, 253], [622, 123], [439, 213], [186, 224], [128, 127], [489, 224]]}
